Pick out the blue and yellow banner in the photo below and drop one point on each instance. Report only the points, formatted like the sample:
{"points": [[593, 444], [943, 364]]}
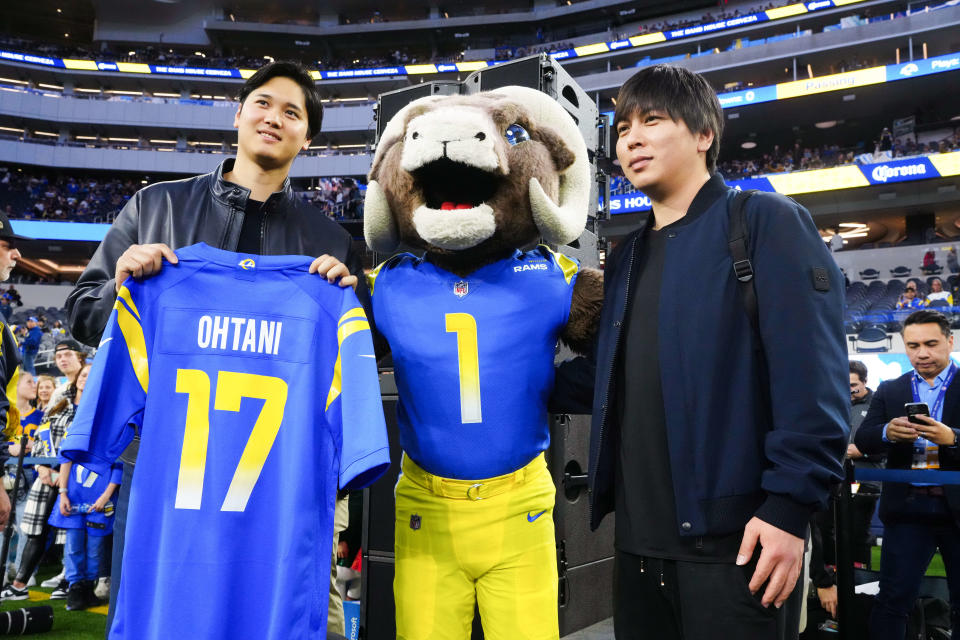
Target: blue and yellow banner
{"points": [[847, 177]]}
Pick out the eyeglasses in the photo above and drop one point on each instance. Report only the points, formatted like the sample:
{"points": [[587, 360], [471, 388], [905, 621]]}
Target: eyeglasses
{"points": [[911, 290]]}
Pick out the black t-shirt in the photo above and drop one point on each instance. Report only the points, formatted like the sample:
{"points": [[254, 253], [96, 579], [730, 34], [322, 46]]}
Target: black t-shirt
{"points": [[646, 511], [250, 232], [646, 520]]}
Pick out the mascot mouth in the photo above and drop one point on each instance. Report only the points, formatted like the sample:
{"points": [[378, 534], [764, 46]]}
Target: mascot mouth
{"points": [[448, 185]]}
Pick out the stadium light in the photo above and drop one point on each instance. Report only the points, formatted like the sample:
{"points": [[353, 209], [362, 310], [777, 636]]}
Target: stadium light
{"points": [[749, 144]]}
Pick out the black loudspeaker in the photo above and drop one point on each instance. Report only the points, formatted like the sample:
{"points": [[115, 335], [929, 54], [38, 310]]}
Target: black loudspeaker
{"points": [[543, 73], [568, 460], [584, 557], [586, 595]]}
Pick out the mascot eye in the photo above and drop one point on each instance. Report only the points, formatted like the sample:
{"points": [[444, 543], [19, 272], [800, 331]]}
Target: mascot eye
{"points": [[515, 134]]}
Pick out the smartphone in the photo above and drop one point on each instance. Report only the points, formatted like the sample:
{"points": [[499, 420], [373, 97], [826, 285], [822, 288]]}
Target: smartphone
{"points": [[914, 409]]}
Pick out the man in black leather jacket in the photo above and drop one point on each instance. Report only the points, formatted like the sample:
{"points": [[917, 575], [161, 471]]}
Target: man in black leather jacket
{"points": [[246, 205]]}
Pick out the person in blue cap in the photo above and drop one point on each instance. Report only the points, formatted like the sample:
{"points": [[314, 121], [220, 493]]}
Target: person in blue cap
{"points": [[31, 344]]}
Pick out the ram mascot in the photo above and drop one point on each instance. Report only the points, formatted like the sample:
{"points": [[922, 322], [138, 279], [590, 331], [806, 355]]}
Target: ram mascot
{"points": [[473, 327]]}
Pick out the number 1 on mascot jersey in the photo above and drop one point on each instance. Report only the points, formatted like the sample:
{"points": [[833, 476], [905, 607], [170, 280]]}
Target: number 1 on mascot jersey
{"points": [[465, 326]]}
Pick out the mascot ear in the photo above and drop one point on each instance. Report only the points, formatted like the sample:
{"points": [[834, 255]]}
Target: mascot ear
{"points": [[562, 222], [379, 226]]}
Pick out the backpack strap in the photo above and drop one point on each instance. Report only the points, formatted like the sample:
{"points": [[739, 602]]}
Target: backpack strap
{"points": [[743, 270], [740, 252]]}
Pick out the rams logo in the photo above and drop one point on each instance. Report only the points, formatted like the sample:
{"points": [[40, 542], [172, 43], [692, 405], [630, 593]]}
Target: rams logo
{"points": [[536, 266], [248, 264]]}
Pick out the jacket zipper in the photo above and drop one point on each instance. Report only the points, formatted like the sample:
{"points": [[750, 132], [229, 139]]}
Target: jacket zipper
{"points": [[616, 350], [263, 225]]}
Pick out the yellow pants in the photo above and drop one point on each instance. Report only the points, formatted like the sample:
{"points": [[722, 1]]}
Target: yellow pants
{"points": [[489, 542]]}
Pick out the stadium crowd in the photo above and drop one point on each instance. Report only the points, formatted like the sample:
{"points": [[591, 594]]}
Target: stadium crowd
{"points": [[38, 196], [804, 158]]}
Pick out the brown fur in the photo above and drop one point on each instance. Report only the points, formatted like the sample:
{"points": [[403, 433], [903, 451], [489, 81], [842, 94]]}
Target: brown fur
{"points": [[585, 307], [542, 158]]}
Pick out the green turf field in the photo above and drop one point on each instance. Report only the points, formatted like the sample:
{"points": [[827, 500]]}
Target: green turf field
{"points": [[935, 568], [67, 625]]}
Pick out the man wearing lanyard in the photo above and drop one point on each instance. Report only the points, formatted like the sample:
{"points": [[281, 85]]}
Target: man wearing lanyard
{"points": [[920, 517]]}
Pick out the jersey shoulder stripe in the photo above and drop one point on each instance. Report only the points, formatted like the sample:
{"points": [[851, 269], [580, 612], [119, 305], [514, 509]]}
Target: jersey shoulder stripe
{"points": [[569, 266], [390, 263], [132, 330]]}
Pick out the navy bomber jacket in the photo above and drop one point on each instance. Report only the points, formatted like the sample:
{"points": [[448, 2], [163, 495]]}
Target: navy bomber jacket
{"points": [[730, 459]]}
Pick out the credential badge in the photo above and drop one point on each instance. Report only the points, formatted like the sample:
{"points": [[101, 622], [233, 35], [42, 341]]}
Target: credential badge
{"points": [[460, 289]]}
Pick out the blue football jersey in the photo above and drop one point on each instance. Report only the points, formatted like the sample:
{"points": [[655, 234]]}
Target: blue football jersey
{"points": [[254, 388], [473, 357], [84, 488]]}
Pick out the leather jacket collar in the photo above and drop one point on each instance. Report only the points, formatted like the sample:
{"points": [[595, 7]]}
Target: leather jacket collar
{"points": [[236, 196]]}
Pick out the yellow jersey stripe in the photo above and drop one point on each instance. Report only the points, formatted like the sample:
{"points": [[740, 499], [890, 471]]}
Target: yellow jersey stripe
{"points": [[355, 313], [125, 296], [136, 343], [372, 276], [569, 266], [13, 414], [344, 332]]}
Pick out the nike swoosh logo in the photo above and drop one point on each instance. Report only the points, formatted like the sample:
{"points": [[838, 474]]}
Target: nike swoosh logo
{"points": [[363, 355], [531, 519], [104, 342]]}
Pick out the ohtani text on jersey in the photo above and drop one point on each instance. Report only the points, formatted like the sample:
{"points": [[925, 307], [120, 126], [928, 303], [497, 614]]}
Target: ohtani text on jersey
{"points": [[239, 334]]}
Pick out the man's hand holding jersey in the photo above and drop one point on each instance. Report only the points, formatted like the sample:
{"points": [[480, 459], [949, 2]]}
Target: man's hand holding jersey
{"points": [[145, 260]]}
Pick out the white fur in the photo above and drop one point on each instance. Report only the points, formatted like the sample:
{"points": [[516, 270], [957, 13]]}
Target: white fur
{"points": [[379, 226], [458, 127], [455, 229]]}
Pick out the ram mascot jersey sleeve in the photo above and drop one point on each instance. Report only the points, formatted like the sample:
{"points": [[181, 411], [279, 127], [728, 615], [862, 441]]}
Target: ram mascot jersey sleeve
{"points": [[500, 325], [254, 387]]}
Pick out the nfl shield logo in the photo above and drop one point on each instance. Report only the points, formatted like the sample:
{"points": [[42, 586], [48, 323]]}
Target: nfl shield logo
{"points": [[461, 289], [414, 522]]}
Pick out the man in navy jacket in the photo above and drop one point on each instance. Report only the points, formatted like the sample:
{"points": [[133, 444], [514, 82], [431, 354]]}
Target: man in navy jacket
{"points": [[917, 518], [713, 460]]}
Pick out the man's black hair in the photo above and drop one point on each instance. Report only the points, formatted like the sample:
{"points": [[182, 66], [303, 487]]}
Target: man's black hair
{"points": [[678, 92], [299, 74], [859, 369], [927, 316]]}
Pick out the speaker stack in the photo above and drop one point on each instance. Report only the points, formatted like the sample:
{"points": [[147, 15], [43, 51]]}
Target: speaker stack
{"points": [[584, 558]]}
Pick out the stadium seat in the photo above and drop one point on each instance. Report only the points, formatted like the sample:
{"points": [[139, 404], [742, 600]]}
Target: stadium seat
{"points": [[869, 274], [873, 339], [900, 272]]}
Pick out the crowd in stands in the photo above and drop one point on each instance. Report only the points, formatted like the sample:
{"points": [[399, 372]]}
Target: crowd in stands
{"points": [[338, 198], [38, 196], [803, 158], [27, 196], [210, 58]]}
